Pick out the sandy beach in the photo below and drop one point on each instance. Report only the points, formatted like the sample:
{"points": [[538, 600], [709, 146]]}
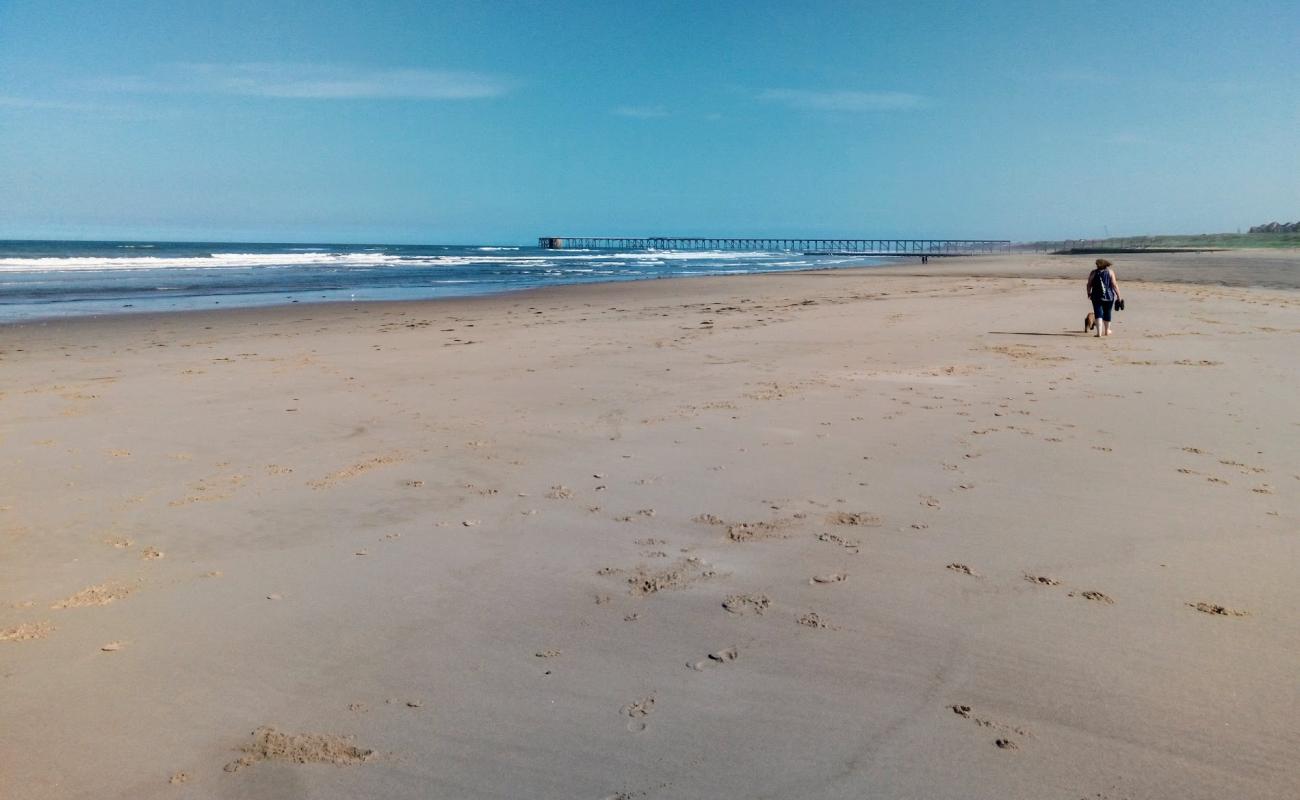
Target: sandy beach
{"points": [[900, 532]]}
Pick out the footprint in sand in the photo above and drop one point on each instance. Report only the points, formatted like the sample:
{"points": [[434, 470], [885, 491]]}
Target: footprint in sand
{"points": [[963, 569], [1217, 610], [1042, 580], [861, 518], [852, 545], [831, 577], [1245, 469], [812, 619], [966, 712], [216, 487], [752, 531], [714, 659], [1096, 597], [638, 710], [739, 603]]}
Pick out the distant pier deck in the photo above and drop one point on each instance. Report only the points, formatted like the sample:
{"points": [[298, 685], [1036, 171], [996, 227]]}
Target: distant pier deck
{"points": [[856, 247]]}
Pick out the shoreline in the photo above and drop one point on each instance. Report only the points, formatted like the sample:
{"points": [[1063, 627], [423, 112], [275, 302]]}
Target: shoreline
{"points": [[1272, 269], [190, 278], [467, 297]]}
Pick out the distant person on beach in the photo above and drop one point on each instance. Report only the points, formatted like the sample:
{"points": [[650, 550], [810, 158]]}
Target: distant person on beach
{"points": [[1103, 291]]}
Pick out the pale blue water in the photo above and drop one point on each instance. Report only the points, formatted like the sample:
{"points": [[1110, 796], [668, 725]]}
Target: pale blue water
{"points": [[59, 279]]}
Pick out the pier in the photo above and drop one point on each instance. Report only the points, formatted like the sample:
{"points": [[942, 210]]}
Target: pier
{"points": [[856, 247]]}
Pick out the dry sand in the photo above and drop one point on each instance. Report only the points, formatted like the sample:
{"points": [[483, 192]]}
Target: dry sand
{"points": [[894, 533]]}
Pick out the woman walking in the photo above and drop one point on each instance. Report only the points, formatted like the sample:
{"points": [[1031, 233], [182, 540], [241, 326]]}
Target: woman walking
{"points": [[1103, 291]]}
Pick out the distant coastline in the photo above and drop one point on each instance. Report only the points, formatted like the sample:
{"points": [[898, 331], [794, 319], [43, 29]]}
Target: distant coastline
{"points": [[1170, 242]]}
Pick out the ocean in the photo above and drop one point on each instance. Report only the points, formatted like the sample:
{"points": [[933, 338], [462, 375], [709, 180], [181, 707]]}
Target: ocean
{"points": [[43, 279]]}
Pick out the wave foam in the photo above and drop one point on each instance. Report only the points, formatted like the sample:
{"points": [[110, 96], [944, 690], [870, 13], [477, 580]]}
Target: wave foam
{"points": [[360, 259]]}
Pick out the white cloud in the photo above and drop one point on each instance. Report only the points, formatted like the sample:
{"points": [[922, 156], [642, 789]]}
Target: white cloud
{"points": [[641, 112], [310, 81], [845, 100]]}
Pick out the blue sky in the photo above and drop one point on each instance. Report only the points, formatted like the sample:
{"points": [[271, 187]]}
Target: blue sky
{"points": [[498, 122]]}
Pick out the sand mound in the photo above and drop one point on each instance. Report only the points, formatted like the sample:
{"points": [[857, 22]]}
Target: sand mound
{"points": [[681, 574], [26, 632], [270, 744], [360, 468], [98, 595]]}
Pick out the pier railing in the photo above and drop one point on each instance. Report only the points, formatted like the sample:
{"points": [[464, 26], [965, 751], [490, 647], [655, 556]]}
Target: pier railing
{"points": [[873, 247]]}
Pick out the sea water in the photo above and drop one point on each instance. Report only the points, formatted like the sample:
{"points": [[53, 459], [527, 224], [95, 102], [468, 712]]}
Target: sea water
{"points": [[41, 279]]}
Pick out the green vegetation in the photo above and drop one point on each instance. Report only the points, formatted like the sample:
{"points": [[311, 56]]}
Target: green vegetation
{"points": [[1200, 240]]}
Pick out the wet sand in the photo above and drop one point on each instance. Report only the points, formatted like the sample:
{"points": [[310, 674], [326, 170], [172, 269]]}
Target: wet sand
{"points": [[901, 532]]}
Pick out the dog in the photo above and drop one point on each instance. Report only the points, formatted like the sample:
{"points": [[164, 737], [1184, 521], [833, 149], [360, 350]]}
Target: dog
{"points": [[1089, 322]]}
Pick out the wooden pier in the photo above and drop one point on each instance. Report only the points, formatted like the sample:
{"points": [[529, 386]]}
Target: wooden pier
{"points": [[856, 247]]}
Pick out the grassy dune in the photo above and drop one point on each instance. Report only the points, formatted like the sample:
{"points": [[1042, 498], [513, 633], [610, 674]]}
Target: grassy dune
{"points": [[1223, 240]]}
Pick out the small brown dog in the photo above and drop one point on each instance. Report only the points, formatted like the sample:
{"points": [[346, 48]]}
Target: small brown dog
{"points": [[1089, 322]]}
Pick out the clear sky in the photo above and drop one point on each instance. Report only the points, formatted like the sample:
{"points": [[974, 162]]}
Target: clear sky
{"points": [[478, 121]]}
